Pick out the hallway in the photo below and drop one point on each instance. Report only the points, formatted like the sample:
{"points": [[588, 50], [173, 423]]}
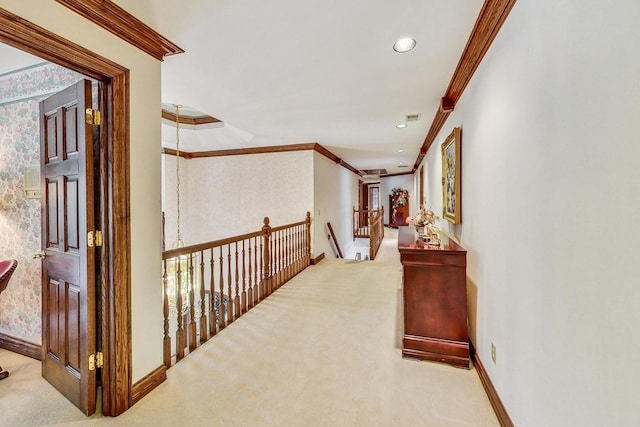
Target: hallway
{"points": [[321, 351]]}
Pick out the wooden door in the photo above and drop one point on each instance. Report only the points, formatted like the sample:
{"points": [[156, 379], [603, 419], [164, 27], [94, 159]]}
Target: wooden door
{"points": [[68, 273], [363, 218]]}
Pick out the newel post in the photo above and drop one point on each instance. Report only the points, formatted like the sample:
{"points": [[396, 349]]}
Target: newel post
{"points": [[308, 243], [165, 310], [372, 234], [266, 258]]}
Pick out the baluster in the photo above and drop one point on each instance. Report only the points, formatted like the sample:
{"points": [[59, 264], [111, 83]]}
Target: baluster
{"points": [[193, 330], [231, 315], [236, 300], [287, 253], [274, 263], [266, 257], [281, 258], [256, 274], [250, 293], [298, 245], [221, 307], [261, 275], [307, 253], [181, 339], [285, 267], [244, 281], [204, 336], [295, 251], [165, 311], [212, 297], [273, 272]]}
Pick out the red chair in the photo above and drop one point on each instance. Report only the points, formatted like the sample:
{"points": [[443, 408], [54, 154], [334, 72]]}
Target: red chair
{"points": [[7, 267]]}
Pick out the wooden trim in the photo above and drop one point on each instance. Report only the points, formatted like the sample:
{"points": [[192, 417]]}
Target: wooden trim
{"points": [[269, 149], [118, 309], [116, 20], [350, 168], [317, 259], [492, 394], [146, 384], [190, 120], [241, 151], [20, 346], [116, 338], [35, 40], [396, 174], [490, 20], [328, 154]]}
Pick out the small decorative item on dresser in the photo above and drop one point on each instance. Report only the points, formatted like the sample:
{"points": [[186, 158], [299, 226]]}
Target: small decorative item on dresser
{"points": [[423, 222]]}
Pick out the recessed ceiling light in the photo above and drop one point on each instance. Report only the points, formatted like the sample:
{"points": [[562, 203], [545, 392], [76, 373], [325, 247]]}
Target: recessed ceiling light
{"points": [[401, 151], [404, 45], [401, 126]]}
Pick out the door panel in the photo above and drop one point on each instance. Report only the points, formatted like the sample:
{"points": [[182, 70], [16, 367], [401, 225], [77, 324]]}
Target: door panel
{"points": [[68, 309]]}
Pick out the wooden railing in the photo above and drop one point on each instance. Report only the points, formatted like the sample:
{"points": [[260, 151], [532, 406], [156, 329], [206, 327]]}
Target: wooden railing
{"points": [[376, 232], [335, 241], [369, 224], [210, 285]]}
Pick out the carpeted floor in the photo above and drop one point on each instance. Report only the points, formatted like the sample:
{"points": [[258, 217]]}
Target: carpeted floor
{"points": [[321, 351]]}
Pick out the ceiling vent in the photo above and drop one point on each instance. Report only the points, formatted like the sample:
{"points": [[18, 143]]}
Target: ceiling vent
{"points": [[413, 117], [370, 178], [403, 166]]}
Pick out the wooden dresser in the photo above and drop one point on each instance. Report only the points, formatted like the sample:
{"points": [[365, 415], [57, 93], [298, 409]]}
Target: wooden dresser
{"points": [[434, 294]]}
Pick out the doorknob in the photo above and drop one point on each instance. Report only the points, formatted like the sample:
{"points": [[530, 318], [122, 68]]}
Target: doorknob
{"points": [[41, 255]]}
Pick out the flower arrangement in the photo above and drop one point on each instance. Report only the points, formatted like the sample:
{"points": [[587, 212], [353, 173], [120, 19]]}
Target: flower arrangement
{"points": [[424, 218], [400, 197]]}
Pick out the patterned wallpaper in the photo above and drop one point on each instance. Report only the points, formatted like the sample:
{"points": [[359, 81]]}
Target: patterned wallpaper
{"points": [[20, 304]]}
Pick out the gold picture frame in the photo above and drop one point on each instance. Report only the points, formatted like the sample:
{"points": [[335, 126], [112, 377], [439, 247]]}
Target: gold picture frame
{"points": [[451, 179]]}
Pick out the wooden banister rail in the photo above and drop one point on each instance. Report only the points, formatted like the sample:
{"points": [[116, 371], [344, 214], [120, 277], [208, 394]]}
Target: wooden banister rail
{"points": [[372, 228], [209, 285], [335, 241]]}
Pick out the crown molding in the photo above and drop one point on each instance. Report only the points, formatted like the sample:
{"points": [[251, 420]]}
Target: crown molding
{"points": [[190, 120], [387, 175], [261, 150], [116, 20], [490, 20]]}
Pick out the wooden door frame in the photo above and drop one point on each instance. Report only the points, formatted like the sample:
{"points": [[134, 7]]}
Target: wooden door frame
{"points": [[114, 204]]}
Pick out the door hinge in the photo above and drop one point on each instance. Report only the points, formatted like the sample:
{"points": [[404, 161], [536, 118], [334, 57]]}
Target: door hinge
{"points": [[99, 359], [92, 117], [96, 361], [94, 238]]}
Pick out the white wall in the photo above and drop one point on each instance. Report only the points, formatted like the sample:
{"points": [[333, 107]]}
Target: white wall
{"points": [[146, 292], [335, 195], [550, 191]]}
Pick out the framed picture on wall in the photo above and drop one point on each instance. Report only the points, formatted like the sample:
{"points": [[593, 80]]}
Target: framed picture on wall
{"points": [[451, 182]]}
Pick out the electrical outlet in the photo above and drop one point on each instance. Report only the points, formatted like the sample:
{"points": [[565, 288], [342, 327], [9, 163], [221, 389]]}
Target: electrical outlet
{"points": [[493, 353]]}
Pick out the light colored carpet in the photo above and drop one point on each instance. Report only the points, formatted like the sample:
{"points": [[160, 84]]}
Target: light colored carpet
{"points": [[321, 351]]}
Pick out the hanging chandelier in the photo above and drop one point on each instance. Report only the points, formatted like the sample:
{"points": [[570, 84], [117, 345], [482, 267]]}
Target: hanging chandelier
{"points": [[181, 268]]}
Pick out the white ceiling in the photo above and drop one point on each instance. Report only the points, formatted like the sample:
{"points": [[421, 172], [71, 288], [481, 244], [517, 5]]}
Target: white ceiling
{"points": [[14, 59], [289, 71]]}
